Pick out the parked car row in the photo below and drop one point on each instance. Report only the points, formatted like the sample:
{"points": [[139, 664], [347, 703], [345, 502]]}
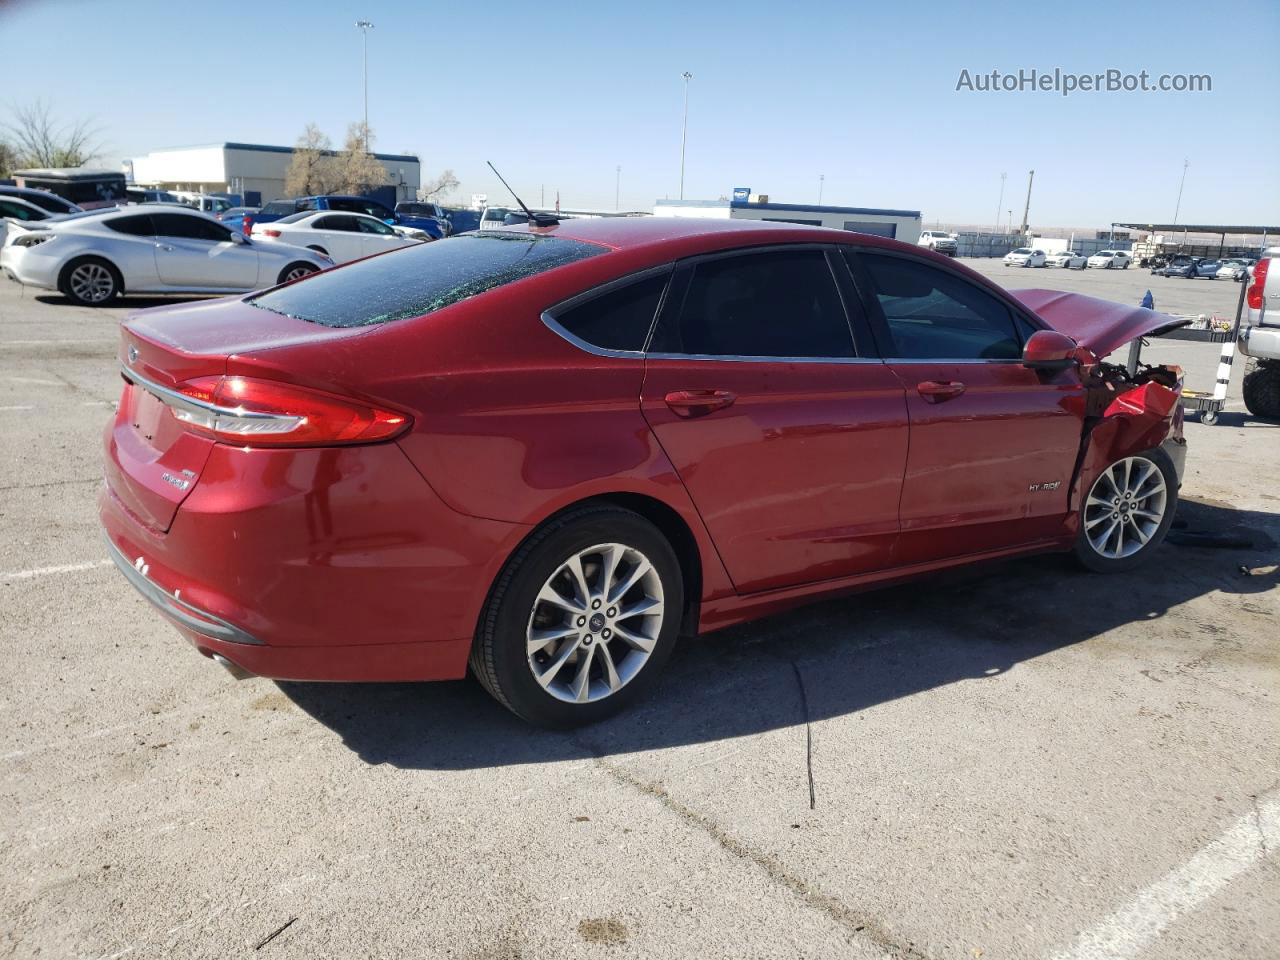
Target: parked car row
{"points": [[1192, 268]]}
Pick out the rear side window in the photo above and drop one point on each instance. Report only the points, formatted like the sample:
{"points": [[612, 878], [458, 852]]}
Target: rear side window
{"points": [[190, 228], [340, 222], [294, 217], [134, 226], [421, 279], [935, 315], [279, 208], [619, 319], [775, 304], [19, 212]]}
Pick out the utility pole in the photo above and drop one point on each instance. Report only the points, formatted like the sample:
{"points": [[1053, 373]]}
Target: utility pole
{"points": [[365, 26], [821, 179], [1027, 209], [617, 186], [1181, 183], [684, 128], [1000, 202]]}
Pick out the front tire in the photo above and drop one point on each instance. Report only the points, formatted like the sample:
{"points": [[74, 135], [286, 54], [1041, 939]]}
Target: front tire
{"points": [[296, 271], [90, 282], [1127, 512], [582, 618]]}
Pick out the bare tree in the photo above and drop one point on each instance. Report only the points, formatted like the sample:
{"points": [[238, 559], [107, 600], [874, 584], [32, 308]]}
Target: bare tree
{"points": [[438, 186], [8, 159], [312, 169], [38, 140], [358, 171]]}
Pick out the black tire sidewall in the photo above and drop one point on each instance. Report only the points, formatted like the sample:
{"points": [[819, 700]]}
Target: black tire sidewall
{"points": [[297, 263], [64, 281], [1094, 561], [499, 657]]}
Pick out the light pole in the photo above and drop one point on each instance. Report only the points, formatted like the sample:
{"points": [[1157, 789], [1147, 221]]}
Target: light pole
{"points": [[1000, 202], [822, 177], [617, 187], [684, 128], [365, 26], [1181, 183]]}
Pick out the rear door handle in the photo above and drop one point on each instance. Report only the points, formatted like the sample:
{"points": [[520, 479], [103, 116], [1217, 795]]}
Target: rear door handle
{"points": [[697, 403], [939, 391]]}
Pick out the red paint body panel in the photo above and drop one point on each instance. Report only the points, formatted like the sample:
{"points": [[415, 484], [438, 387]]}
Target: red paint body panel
{"points": [[1099, 325], [798, 480], [975, 457], [373, 562]]}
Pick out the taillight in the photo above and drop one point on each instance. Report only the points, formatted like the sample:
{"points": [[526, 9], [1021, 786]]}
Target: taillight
{"points": [[271, 233], [1259, 283], [267, 413], [248, 225]]}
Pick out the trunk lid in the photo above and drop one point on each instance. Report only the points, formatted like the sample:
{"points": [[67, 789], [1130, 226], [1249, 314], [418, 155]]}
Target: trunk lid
{"points": [[153, 460], [1099, 325]]}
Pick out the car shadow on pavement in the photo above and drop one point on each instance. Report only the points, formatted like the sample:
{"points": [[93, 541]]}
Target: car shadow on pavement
{"points": [[128, 302], [850, 654]]}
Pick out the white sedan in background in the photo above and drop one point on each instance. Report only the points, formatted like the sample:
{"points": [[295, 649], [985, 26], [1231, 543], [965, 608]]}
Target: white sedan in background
{"points": [[1066, 258], [342, 236], [1110, 260], [1024, 257], [94, 256]]}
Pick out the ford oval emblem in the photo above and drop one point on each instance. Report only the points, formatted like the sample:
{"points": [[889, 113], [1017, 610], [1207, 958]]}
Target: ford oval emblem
{"points": [[133, 355]]}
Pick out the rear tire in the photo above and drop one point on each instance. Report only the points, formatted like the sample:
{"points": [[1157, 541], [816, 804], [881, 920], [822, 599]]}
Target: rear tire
{"points": [[1127, 512], [90, 282], [595, 656], [296, 271], [1262, 388]]}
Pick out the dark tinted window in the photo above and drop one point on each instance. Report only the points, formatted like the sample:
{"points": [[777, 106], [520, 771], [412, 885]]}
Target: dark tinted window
{"points": [[619, 319], [20, 212], [279, 208], [41, 199], [368, 225], [294, 217], [935, 315], [420, 279], [190, 228], [417, 209], [340, 221], [134, 226], [781, 304]]}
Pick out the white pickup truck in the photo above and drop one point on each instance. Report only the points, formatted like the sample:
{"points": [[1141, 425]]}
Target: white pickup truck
{"points": [[1260, 340], [939, 241]]}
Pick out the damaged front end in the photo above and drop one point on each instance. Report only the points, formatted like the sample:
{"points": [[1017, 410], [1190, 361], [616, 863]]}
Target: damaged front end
{"points": [[1126, 413]]}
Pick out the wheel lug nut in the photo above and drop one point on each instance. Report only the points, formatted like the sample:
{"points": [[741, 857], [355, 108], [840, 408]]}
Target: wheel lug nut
{"points": [[606, 633], [595, 604], [612, 611], [586, 641], [582, 621]]}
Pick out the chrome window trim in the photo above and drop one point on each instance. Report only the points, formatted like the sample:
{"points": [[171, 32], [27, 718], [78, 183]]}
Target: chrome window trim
{"points": [[586, 296], [733, 358], [172, 606], [173, 398], [919, 360]]}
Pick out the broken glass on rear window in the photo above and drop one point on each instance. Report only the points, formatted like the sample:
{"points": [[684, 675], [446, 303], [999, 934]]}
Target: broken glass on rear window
{"points": [[421, 279]]}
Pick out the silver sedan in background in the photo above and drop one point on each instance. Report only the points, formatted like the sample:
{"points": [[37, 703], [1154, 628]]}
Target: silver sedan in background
{"points": [[92, 257]]}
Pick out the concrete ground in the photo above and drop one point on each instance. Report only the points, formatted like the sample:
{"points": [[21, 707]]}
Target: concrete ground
{"points": [[1018, 761]]}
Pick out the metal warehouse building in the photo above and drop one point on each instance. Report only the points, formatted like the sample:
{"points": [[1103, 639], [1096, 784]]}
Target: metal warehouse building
{"points": [[249, 169], [901, 225]]}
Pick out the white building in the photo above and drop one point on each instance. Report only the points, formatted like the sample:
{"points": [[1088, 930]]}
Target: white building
{"points": [[249, 169], [901, 225]]}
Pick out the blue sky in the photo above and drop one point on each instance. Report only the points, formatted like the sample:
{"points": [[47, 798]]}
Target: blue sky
{"points": [[559, 94]]}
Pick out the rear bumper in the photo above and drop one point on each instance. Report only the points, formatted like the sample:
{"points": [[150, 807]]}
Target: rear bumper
{"points": [[333, 564], [1260, 342]]}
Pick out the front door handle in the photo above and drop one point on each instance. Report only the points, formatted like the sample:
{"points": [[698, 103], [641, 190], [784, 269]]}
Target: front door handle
{"points": [[163, 246], [697, 403], [939, 391]]}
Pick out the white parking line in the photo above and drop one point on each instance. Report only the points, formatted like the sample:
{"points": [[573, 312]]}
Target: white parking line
{"points": [[17, 407], [47, 571], [1127, 933]]}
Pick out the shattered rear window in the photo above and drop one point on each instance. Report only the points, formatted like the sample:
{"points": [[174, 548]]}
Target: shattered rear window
{"points": [[421, 279]]}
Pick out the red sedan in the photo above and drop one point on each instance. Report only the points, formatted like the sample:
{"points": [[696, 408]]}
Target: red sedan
{"points": [[546, 452]]}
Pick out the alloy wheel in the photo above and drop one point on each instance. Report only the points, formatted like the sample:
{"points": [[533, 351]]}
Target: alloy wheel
{"points": [[595, 623], [297, 273], [91, 283], [1125, 507]]}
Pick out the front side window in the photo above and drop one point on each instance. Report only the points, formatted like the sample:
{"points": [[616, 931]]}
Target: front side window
{"points": [[619, 319], [770, 304], [421, 279], [934, 315]]}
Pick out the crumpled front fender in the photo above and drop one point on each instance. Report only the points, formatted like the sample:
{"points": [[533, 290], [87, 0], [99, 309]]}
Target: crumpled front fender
{"points": [[1139, 419]]}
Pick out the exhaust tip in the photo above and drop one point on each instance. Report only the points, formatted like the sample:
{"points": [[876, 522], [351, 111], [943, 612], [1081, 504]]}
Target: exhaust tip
{"points": [[237, 671]]}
